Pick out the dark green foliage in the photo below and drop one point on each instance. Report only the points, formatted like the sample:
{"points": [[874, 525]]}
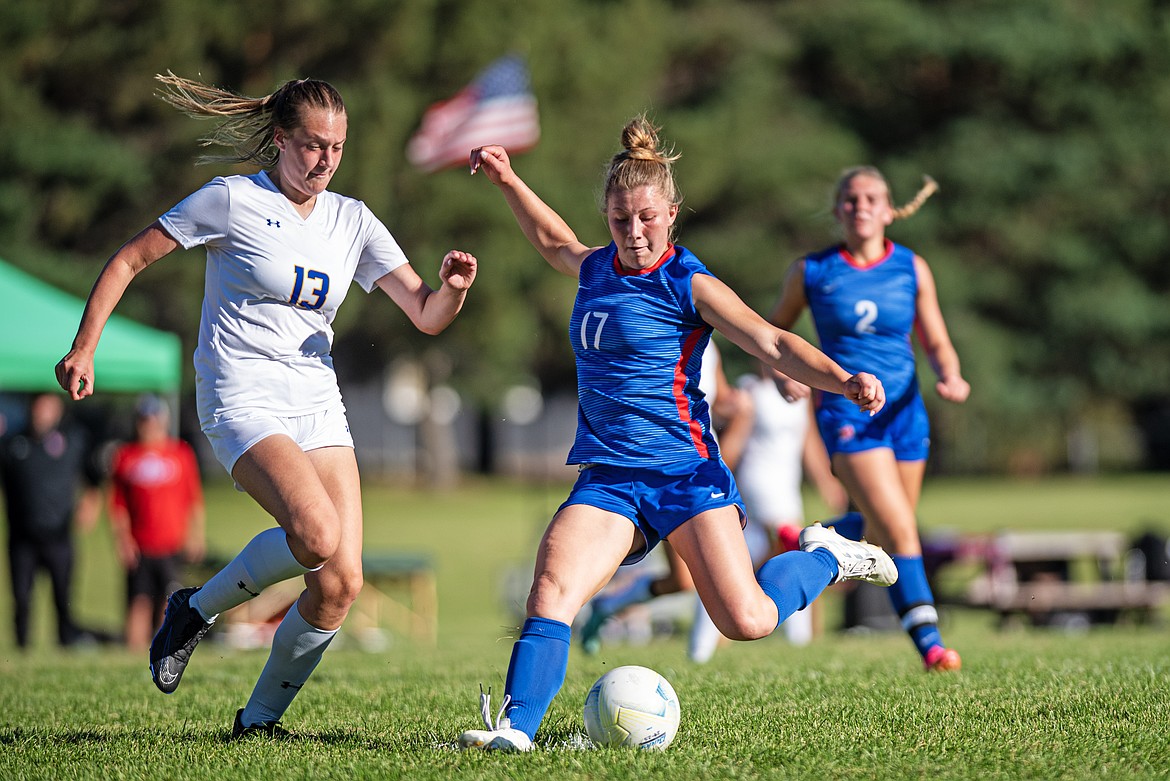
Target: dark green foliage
{"points": [[1044, 123]]}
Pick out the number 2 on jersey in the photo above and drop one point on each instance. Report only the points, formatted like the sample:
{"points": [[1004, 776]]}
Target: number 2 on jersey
{"points": [[867, 312], [601, 318], [317, 294]]}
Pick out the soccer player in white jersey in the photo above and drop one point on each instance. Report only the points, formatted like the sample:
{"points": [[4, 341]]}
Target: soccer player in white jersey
{"points": [[282, 251], [649, 467]]}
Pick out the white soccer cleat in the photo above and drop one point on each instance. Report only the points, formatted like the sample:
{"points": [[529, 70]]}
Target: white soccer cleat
{"points": [[500, 736], [855, 560], [505, 739]]}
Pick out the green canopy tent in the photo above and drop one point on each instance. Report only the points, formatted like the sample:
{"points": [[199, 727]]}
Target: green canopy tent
{"points": [[39, 321]]}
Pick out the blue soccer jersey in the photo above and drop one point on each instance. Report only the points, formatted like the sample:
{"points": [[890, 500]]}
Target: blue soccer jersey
{"points": [[864, 317], [639, 345]]}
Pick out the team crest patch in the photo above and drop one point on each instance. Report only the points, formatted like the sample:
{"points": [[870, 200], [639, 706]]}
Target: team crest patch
{"points": [[846, 433]]}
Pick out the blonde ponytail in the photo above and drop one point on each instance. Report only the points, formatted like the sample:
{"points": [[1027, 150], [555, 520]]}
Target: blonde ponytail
{"points": [[929, 188], [247, 125]]}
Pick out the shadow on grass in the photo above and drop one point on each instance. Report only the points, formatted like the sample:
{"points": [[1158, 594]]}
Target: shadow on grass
{"points": [[355, 738]]}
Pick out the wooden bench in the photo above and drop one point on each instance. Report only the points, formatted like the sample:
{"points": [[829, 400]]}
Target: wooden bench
{"points": [[398, 598], [1044, 574], [399, 594]]}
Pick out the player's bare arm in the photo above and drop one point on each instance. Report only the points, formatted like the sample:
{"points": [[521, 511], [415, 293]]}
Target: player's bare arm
{"points": [[75, 371], [430, 310], [936, 340], [542, 226], [783, 350]]}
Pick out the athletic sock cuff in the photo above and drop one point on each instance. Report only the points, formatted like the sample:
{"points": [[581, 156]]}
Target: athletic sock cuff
{"points": [[826, 558], [547, 627]]}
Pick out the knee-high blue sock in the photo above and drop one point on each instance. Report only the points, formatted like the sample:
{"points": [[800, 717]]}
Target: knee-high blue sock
{"points": [[914, 603], [793, 580], [851, 525], [536, 671]]}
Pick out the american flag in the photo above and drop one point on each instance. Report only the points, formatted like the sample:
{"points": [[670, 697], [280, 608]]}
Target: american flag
{"points": [[497, 108]]}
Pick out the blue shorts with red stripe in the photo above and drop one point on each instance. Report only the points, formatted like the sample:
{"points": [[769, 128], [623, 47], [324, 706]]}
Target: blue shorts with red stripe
{"points": [[657, 500]]}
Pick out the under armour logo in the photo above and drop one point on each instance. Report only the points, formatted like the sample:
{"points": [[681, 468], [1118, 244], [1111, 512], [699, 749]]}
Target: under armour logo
{"points": [[289, 685], [243, 587], [273, 223]]}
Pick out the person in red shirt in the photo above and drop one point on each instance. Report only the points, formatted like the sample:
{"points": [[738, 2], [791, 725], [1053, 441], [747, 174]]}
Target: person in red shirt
{"points": [[156, 512]]}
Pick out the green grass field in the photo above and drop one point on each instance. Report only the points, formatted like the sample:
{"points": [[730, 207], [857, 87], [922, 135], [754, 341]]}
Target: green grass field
{"points": [[1028, 703]]}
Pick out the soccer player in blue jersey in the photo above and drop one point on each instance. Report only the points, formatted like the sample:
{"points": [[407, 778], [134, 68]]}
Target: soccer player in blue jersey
{"points": [[649, 466], [866, 296]]}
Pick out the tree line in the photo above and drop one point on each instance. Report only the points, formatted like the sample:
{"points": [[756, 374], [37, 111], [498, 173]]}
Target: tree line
{"points": [[1043, 122]]}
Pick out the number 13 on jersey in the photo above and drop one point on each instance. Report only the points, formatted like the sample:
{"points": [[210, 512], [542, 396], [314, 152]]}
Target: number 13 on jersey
{"points": [[316, 296]]}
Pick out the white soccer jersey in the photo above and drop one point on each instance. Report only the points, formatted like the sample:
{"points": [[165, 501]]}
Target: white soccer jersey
{"points": [[770, 472], [708, 373], [273, 284]]}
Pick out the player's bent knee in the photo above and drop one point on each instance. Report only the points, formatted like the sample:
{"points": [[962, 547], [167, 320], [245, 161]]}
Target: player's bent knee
{"points": [[343, 591], [311, 552], [350, 588], [313, 544], [548, 599], [746, 625]]}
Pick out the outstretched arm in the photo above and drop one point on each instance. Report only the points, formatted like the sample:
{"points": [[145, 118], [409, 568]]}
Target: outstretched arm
{"points": [[936, 341], [792, 301], [784, 315], [782, 350], [431, 311], [542, 226], [75, 370]]}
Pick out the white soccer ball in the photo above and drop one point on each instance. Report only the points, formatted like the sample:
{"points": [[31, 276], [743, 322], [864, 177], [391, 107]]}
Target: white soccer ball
{"points": [[634, 707]]}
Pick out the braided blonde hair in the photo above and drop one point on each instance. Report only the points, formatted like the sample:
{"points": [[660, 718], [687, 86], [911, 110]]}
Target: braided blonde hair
{"points": [[247, 125], [641, 163], [929, 188]]}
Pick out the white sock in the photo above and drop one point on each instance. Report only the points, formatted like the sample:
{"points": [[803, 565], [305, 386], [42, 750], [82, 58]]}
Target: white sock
{"points": [[297, 647], [263, 561], [632, 594], [704, 635], [798, 627]]}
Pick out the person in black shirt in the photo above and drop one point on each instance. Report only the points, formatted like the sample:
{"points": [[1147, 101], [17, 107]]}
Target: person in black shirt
{"points": [[42, 471]]}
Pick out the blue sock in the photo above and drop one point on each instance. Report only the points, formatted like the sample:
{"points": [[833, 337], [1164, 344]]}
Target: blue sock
{"points": [[914, 603], [793, 580], [851, 525], [536, 671]]}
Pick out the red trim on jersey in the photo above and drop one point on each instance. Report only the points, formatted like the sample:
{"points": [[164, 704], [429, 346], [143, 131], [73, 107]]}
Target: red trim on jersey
{"points": [[622, 271], [852, 261], [680, 398]]}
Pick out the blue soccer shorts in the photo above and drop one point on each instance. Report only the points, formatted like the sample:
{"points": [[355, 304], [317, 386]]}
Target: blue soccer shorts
{"points": [[657, 500], [902, 426]]}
